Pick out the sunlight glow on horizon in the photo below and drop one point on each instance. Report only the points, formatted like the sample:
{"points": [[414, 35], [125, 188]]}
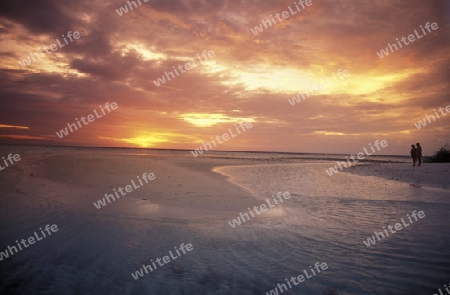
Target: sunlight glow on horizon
{"points": [[143, 140]]}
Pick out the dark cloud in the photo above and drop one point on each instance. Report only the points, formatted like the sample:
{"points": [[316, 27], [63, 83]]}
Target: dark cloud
{"points": [[42, 16]]}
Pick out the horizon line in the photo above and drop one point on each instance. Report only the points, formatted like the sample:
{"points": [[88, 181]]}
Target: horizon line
{"points": [[187, 150]]}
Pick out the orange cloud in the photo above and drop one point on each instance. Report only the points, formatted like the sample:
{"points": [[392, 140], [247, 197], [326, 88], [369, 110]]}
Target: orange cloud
{"points": [[13, 126]]}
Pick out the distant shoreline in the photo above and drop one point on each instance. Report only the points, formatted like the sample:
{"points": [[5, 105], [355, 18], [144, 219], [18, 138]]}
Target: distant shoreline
{"points": [[188, 150]]}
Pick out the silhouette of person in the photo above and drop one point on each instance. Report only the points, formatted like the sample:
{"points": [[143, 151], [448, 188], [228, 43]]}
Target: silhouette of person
{"points": [[414, 155], [419, 154]]}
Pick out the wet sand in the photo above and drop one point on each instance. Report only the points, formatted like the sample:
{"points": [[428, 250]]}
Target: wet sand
{"points": [[191, 200]]}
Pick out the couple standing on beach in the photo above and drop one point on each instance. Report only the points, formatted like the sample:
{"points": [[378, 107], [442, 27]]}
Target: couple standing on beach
{"points": [[416, 154]]}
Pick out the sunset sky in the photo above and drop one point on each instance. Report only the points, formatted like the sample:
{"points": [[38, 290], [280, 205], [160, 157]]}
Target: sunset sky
{"points": [[250, 78]]}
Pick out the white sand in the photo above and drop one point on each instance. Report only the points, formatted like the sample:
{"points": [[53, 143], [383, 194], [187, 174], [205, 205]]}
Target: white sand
{"points": [[435, 175]]}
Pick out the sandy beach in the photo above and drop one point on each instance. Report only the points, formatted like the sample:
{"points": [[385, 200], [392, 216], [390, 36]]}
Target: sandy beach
{"points": [[191, 200]]}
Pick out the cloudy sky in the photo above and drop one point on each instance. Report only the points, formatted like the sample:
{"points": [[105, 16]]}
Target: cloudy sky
{"points": [[250, 78]]}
